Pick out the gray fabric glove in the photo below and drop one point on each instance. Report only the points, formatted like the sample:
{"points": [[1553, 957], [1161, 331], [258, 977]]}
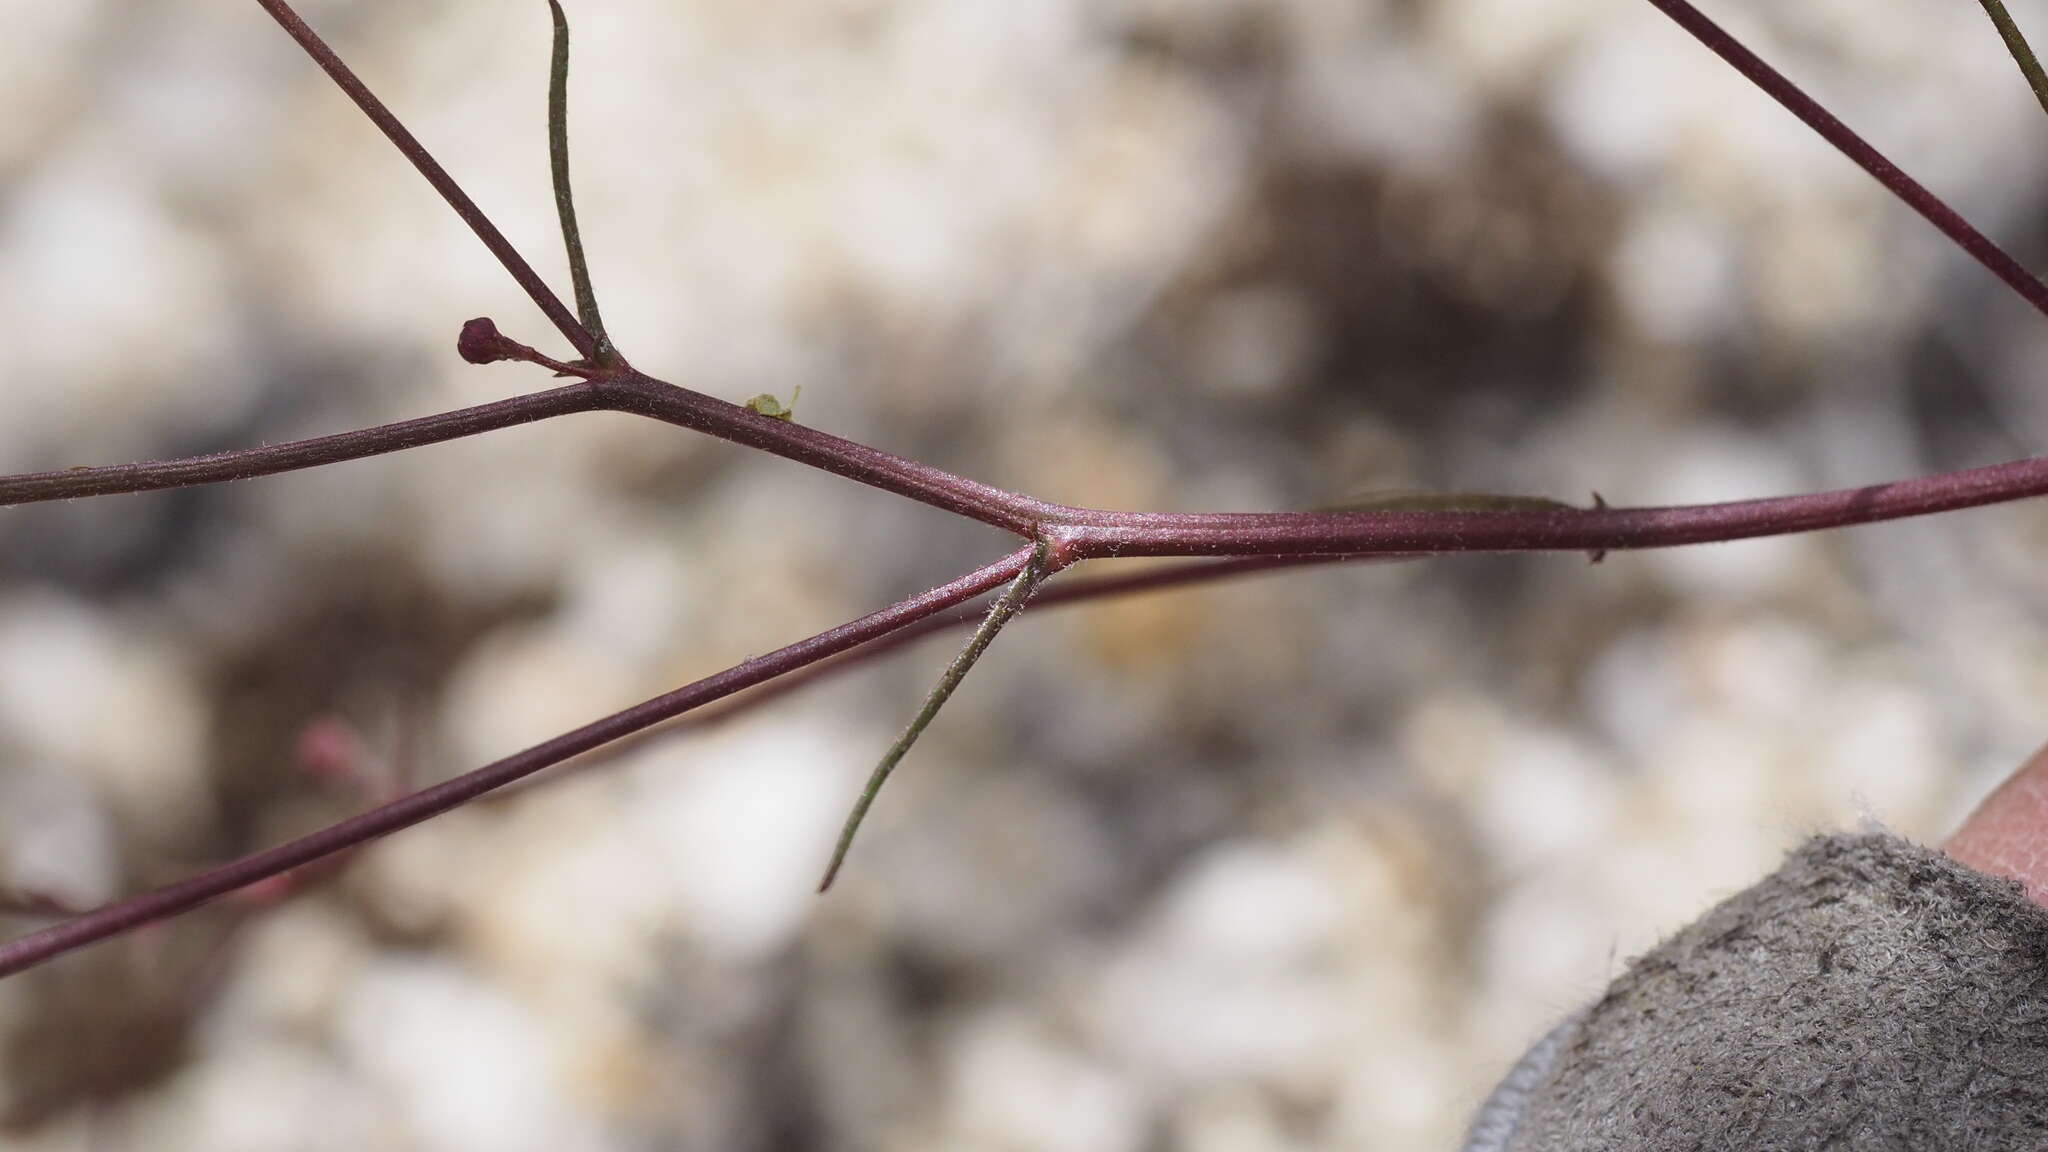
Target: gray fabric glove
{"points": [[1870, 994]]}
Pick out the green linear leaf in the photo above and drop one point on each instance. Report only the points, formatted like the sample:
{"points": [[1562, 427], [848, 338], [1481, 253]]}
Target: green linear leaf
{"points": [[565, 200], [2022, 53], [1000, 613]]}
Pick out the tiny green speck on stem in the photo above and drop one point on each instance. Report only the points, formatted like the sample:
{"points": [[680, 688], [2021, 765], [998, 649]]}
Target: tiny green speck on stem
{"points": [[1000, 613]]}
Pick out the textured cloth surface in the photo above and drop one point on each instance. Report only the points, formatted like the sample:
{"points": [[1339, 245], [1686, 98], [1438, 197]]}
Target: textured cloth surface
{"points": [[1493, 1129], [1870, 994]]}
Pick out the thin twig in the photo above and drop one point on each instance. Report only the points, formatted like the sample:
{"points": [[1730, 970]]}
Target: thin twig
{"points": [[1100, 534], [247, 463], [1068, 533], [1000, 613], [643, 395], [1598, 529], [633, 393], [399, 135], [2022, 52], [1159, 578], [38, 947], [1086, 533], [1907, 189], [565, 198]]}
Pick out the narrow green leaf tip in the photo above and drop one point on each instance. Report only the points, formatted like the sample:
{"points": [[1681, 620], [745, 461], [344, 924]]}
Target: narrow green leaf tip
{"points": [[1005, 607], [2022, 52], [565, 200]]}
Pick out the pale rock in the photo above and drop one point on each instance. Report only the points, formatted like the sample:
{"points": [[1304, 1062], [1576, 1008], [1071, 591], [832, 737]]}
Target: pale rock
{"points": [[292, 970], [1232, 1120], [55, 839], [1013, 1083], [462, 1067], [1226, 982], [1672, 273], [736, 825], [1881, 748], [1543, 798], [47, 48], [80, 690], [88, 258], [259, 1096], [527, 682]]}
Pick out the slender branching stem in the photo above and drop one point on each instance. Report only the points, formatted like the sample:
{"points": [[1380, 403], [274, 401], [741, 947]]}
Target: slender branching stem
{"points": [[1597, 529], [1000, 613], [1080, 592], [248, 463], [1086, 533], [565, 199], [633, 393], [543, 296], [1060, 534], [1907, 189], [643, 395], [39, 947], [2022, 52]]}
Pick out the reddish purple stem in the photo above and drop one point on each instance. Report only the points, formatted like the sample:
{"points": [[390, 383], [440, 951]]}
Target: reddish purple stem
{"points": [[1272, 539], [1911, 191], [247, 463], [1565, 529], [557, 313], [172, 899], [1088, 533]]}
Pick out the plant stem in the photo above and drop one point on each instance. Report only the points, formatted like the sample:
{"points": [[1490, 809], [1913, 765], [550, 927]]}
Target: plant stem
{"points": [[543, 296], [1907, 189], [2022, 52], [1101, 533], [634, 394], [1061, 534], [39, 947], [1000, 613], [1086, 533], [247, 463], [565, 199], [643, 395], [1595, 529], [1074, 592]]}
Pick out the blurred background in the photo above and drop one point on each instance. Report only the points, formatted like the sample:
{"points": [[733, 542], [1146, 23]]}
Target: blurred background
{"points": [[1298, 862]]}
